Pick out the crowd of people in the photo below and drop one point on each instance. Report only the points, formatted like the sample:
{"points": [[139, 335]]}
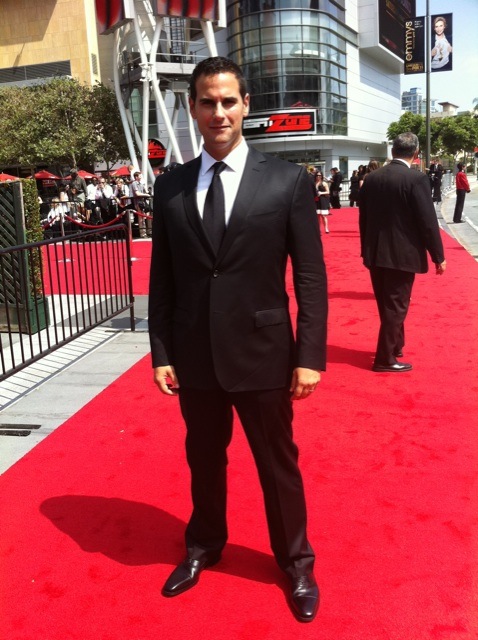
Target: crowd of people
{"points": [[99, 200], [328, 189]]}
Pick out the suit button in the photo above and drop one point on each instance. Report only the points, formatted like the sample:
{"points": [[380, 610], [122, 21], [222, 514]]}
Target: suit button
{"points": [[215, 273]]}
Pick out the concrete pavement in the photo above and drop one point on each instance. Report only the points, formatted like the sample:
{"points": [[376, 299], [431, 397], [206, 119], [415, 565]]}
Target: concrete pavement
{"points": [[467, 233]]}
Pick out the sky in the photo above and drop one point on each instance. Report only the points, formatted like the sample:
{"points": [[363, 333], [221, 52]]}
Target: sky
{"points": [[459, 86]]}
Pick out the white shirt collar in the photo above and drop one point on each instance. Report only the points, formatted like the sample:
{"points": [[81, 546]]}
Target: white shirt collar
{"points": [[409, 164], [236, 160]]}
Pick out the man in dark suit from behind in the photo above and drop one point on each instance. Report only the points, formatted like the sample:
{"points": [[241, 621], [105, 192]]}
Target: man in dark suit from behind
{"points": [[220, 328], [398, 225], [335, 188]]}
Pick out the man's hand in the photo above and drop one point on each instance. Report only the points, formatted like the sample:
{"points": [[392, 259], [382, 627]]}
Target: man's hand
{"points": [[303, 382], [440, 268], [166, 380]]}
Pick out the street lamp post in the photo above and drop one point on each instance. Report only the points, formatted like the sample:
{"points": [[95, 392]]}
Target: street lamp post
{"points": [[427, 71]]}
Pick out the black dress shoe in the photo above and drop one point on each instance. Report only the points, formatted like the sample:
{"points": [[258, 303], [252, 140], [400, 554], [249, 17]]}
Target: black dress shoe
{"points": [[185, 576], [392, 368], [304, 597]]}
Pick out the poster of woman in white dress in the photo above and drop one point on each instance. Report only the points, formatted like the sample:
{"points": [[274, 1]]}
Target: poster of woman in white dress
{"points": [[441, 39]]}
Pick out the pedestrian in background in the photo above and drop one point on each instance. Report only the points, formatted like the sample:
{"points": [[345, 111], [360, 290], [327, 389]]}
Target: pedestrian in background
{"points": [[462, 188], [398, 225]]}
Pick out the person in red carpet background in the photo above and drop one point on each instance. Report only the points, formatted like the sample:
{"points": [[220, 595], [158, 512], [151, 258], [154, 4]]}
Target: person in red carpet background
{"points": [[220, 329], [462, 188], [398, 225]]}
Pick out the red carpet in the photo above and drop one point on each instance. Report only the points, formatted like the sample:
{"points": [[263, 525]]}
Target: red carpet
{"points": [[78, 267], [92, 519]]}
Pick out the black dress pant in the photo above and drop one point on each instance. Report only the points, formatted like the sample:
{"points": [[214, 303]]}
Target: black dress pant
{"points": [[266, 417], [460, 203], [392, 289]]}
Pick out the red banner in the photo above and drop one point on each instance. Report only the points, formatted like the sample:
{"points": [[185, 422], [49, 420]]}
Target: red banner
{"points": [[111, 14], [195, 9]]}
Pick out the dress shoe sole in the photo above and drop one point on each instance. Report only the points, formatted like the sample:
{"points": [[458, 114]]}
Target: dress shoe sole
{"points": [[397, 369]]}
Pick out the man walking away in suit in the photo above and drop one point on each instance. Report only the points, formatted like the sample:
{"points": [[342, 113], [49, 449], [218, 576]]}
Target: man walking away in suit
{"points": [[224, 226], [398, 225], [335, 188]]}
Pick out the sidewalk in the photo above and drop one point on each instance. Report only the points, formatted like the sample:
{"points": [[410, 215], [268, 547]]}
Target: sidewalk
{"points": [[465, 234]]}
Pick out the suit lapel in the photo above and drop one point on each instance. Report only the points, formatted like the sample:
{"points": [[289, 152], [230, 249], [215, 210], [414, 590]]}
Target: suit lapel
{"points": [[252, 177]]}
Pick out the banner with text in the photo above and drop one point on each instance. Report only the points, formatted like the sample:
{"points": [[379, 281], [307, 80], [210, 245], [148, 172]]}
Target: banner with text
{"points": [[414, 46]]}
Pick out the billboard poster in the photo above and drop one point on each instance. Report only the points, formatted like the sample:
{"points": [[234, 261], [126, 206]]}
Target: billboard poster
{"points": [[441, 42], [414, 59], [112, 14], [213, 10], [392, 16]]}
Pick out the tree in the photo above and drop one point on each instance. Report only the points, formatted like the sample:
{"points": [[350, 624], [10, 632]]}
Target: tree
{"points": [[62, 121], [459, 134], [408, 122], [417, 124], [109, 138]]}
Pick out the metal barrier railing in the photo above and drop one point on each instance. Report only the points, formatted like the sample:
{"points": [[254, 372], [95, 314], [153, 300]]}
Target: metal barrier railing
{"points": [[56, 290]]}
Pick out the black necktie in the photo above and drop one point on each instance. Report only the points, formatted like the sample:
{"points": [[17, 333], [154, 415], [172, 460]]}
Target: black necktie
{"points": [[214, 216]]}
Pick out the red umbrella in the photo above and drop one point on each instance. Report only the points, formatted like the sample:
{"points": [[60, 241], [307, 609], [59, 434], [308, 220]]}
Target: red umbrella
{"points": [[6, 176], [46, 175], [86, 174], [122, 171]]}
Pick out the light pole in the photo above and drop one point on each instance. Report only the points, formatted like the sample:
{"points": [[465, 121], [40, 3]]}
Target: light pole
{"points": [[427, 71]]}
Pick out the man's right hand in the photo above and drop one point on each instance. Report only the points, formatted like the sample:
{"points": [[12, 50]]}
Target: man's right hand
{"points": [[166, 380], [440, 268]]}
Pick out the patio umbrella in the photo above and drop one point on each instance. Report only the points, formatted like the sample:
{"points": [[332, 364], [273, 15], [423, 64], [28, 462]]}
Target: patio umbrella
{"points": [[122, 171], [46, 175], [6, 176], [86, 175]]}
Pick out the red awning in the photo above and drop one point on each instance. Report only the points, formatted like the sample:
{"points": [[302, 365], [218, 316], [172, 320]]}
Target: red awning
{"points": [[4, 177], [122, 171], [46, 175]]}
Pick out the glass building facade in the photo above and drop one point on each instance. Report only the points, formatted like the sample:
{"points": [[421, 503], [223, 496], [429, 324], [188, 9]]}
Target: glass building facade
{"points": [[293, 54]]}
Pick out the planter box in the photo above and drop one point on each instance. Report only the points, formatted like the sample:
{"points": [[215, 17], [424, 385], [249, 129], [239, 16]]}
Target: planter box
{"points": [[30, 319]]}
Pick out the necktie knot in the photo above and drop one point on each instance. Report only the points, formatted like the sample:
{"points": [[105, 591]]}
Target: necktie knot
{"points": [[218, 168]]}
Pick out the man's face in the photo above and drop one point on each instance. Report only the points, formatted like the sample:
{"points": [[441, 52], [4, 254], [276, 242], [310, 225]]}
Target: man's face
{"points": [[439, 27], [219, 111]]}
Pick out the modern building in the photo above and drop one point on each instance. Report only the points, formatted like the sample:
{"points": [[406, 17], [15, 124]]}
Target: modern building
{"points": [[414, 101], [324, 75], [40, 40]]}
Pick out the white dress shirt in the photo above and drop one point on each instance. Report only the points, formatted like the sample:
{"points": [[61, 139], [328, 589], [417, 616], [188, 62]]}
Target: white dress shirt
{"points": [[230, 177]]}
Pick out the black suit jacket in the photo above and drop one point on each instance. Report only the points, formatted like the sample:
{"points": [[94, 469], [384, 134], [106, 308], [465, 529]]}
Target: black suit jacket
{"points": [[225, 319], [398, 222]]}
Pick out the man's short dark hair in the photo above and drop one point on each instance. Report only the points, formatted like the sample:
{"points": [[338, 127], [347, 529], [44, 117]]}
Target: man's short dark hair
{"points": [[136, 173], [460, 166], [405, 145], [214, 66]]}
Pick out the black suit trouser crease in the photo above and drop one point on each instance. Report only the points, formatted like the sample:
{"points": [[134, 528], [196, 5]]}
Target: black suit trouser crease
{"points": [[392, 289], [266, 417]]}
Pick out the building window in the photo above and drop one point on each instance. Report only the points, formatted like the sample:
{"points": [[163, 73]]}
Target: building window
{"points": [[293, 55]]}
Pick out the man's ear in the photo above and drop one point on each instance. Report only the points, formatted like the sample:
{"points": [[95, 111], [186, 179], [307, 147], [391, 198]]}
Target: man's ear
{"points": [[247, 99], [192, 108]]}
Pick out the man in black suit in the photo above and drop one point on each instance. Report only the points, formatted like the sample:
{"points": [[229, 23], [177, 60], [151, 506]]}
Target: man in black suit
{"points": [[398, 225], [335, 188], [220, 329]]}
